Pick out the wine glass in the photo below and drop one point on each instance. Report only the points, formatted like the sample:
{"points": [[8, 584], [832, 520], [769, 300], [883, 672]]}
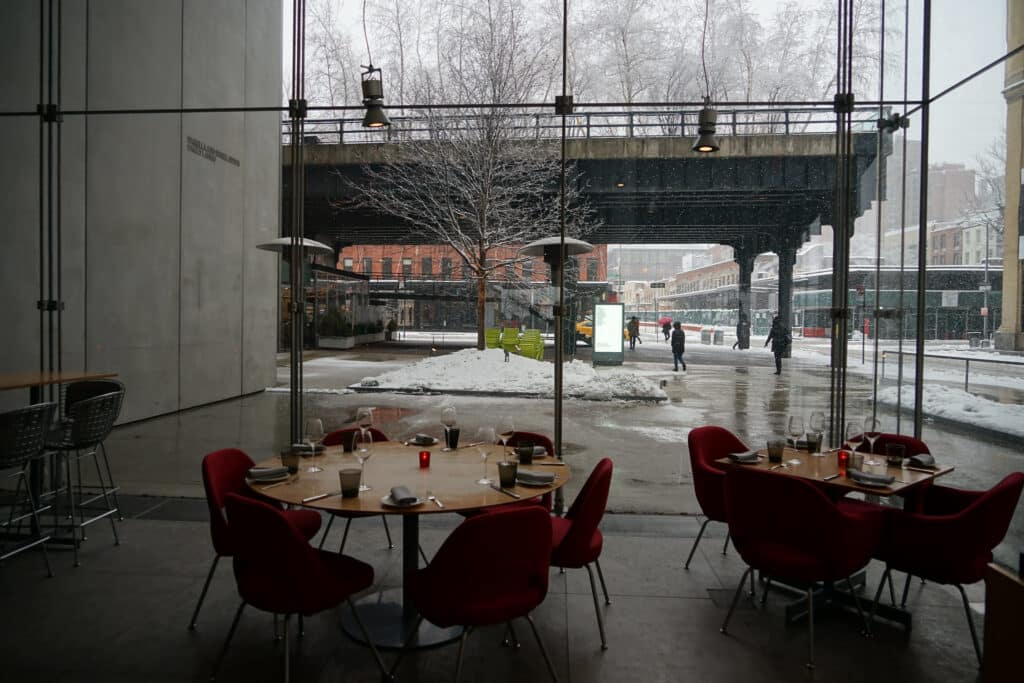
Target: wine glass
{"points": [[505, 430], [853, 430], [872, 430], [364, 418], [448, 420], [485, 442], [314, 435], [363, 450], [796, 428]]}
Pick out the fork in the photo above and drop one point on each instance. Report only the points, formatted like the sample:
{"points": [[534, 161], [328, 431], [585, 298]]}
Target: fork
{"points": [[433, 498]]}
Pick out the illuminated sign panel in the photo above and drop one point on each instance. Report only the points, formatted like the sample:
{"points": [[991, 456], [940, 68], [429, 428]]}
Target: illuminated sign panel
{"points": [[609, 319]]}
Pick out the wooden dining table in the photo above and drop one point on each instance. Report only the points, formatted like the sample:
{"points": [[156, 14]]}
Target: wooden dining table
{"points": [[826, 471], [452, 478]]}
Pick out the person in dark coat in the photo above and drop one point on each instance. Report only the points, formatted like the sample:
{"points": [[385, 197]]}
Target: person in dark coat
{"points": [[678, 346], [633, 327], [666, 329], [742, 332], [780, 339]]}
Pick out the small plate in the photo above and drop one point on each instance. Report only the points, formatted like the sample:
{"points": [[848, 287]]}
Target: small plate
{"points": [[422, 442], [268, 480], [387, 502]]}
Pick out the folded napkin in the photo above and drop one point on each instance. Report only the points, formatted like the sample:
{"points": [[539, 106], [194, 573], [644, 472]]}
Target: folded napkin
{"points": [[799, 444], [748, 457], [922, 460], [423, 440], [540, 450], [870, 478], [535, 478], [400, 495], [267, 472]]}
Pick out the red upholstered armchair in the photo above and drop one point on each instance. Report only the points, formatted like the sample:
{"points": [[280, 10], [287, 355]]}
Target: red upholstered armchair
{"points": [[787, 528], [952, 539], [577, 541], [343, 437], [223, 474], [910, 445], [277, 571], [707, 444], [493, 568]]}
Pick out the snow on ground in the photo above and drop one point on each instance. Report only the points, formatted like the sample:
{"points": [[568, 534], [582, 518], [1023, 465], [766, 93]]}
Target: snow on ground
{"points": [[473, 370], [961, 406]]}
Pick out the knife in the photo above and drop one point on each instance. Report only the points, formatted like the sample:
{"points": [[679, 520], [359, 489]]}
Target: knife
{"points": [[320, 496], [506, 491]]}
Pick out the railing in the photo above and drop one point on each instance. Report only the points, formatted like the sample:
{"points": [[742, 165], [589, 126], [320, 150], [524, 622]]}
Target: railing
{"points": [[584, 125], [967, 363]]}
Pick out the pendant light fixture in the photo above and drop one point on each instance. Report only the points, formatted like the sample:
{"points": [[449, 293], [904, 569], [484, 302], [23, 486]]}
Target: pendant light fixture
{"points": [[373, 88], [706, 142]]}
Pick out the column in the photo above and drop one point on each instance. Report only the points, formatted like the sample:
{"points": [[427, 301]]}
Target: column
{"points": [[787, 258], [744, 257], [1009, 335]]}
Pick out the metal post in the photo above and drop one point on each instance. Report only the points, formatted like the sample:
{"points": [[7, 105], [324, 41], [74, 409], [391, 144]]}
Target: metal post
{"points": [[967, 371], [984, 318], [922, 238]]}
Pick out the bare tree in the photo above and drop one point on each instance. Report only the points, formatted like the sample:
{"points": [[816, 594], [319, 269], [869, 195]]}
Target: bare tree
{"points": [[478, 182]]}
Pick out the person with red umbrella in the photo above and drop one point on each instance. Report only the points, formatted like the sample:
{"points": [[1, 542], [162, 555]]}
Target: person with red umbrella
{"points": [[666, 326]]}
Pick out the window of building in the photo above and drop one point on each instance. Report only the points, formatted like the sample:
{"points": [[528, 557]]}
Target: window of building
{"points": [[510, 270], [406, 267], [592, 269], [385, 267], [347, 264], [426, 266], [446, 268], [528, 270], [368, 266]]}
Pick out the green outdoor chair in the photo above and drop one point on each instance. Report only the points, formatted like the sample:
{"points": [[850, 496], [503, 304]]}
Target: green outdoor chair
{"points": [[510, 340]]}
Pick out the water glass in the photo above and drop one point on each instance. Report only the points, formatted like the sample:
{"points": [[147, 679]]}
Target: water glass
{"points": [[776, 447], [507, 474], [349, 482], [894, 454]]}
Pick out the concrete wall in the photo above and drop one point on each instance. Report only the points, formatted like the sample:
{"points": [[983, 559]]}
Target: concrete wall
{"points": [[160, 213]]}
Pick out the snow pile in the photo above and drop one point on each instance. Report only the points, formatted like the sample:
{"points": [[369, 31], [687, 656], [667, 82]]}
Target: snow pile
{"points": [[960, 406], [487, 371]]}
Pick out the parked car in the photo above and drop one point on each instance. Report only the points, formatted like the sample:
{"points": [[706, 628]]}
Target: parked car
{"points": [[585, 331]]}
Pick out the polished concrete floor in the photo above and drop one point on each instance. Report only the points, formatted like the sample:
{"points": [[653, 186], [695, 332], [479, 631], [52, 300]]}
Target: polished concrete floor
{"points": [[123, 614]]}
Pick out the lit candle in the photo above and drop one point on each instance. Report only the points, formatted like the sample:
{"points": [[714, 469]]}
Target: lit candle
{"points": [[424, 459]]}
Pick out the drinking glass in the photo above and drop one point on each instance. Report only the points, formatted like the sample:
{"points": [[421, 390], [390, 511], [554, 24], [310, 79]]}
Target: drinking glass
{"points": [[314, 435], [364, 418], [363, 450], [448, 420], [816, 425], [505, 430], [796, 428], [853, 430], [872, 430], [485, 442]]}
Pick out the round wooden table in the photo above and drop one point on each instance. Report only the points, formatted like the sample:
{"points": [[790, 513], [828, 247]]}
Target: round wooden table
{"points": [[451, 477]]}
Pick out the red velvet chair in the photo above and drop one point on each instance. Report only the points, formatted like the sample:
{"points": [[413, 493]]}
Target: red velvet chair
{"points": [[910, 445], [338, 438], [787, 528], [492, 569], [707, 444], [576, 540], [224, 473], [951, 540], [277, 571]]}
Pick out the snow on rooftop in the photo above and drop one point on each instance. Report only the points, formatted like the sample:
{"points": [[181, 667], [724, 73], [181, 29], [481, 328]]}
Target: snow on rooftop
{"points": [[481, 371]]}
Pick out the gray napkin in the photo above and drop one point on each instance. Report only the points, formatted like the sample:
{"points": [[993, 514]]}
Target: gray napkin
{"points": [[921, 460], [267, 472], [400, 495], [870, 478], [535, 478], [540, 450], [423, 440], [748, 457]]}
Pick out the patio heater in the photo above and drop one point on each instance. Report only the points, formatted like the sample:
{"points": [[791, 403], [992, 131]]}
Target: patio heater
{"points": [[297, 314], [555, 251]]}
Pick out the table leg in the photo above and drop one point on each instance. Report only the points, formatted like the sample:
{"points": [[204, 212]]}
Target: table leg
{"points": [[390, 615], [829, 596]]}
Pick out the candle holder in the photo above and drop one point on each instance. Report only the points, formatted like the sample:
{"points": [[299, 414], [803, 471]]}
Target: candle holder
{"points": [[424, 459]]}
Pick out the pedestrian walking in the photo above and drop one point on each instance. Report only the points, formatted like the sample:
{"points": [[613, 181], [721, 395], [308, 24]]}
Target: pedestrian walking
{"points": [[633, 327], [666, 329], [678, 346], [780, 339]]}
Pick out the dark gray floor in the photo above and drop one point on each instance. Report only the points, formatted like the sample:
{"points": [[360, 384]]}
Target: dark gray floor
{"points": [[122, 616]]}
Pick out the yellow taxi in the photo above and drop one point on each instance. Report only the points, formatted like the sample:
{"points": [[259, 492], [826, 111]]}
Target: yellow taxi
{"points": [[585, 331]]}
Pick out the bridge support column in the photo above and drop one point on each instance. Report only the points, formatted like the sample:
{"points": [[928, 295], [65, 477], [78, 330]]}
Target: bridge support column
{"points": [[787, 259], [744, 257]]}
